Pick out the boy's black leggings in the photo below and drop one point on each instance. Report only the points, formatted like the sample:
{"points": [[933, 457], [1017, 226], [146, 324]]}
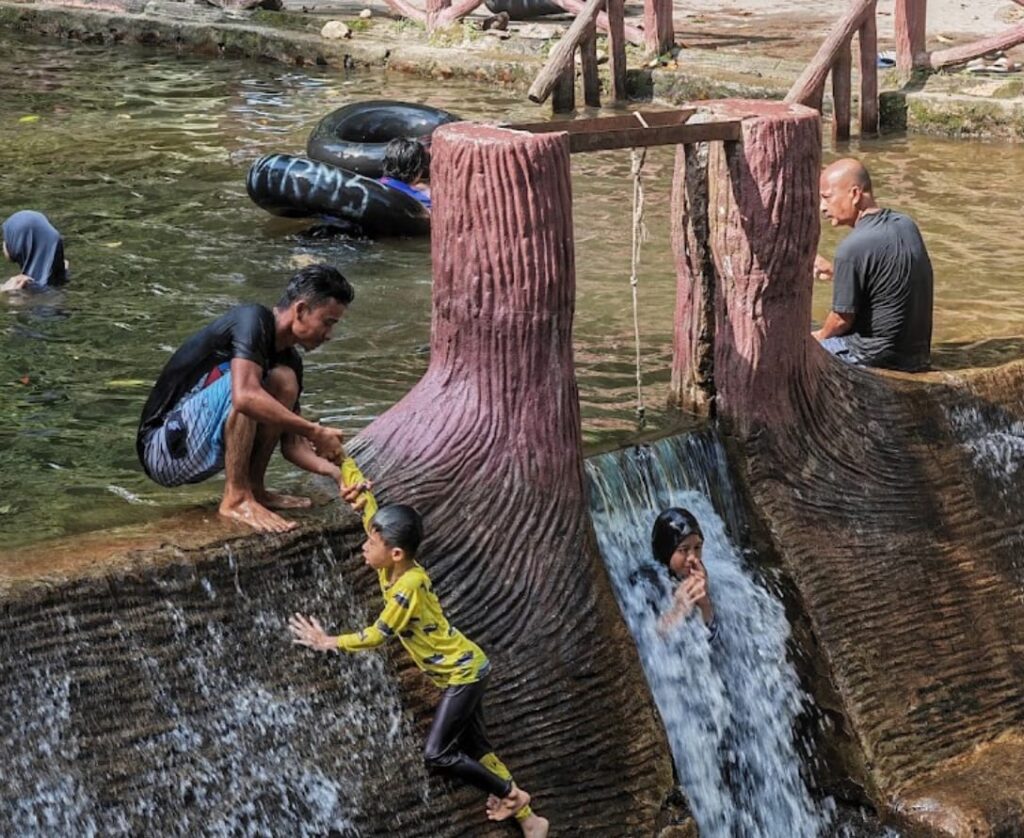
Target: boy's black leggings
{"points": [[458, 738]]}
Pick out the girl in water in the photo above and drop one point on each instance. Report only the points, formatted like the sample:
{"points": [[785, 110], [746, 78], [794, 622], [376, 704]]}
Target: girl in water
{"points": [[677, 542], [34, 244]]}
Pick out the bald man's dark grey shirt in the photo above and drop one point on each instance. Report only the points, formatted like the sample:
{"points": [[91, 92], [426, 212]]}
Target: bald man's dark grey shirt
{"points": [[883, 276]]}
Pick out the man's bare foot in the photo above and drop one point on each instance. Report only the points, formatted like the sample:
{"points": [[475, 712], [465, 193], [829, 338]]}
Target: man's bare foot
{"points": [[535, 827], [247, 511], [279, 500], [506, 807]]}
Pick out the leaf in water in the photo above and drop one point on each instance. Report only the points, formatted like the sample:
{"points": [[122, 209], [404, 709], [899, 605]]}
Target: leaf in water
{"points": [[29, 118], [127, 382], [5, 509], [111, 244]]}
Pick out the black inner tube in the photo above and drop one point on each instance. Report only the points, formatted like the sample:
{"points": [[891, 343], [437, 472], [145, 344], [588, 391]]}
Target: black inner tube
{"points": [[524, 9], [354, 137], [296, 187]]}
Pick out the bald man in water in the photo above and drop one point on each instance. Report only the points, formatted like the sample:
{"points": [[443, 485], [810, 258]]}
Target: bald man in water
{"points": [[882, 277]]}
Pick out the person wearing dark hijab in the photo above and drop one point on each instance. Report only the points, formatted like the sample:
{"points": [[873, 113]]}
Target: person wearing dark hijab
{"points": [[677, 542], [34, 244]]}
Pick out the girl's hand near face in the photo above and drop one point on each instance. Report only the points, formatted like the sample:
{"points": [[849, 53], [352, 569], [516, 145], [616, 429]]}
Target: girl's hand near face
{"points": [[699, 593], [691, 593]]}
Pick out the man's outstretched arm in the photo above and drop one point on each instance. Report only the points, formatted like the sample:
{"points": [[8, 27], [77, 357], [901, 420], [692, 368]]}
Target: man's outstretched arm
{"points": [[248, 396], [300, 452]]}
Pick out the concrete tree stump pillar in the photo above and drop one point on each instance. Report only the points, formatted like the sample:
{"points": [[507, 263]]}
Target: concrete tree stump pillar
{"points": [[903, 542], [745, 232], [488, 446]]}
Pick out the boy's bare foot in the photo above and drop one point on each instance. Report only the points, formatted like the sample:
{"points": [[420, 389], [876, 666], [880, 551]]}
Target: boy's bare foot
{"points": [[279, 500], [506, 807], [247, 511], [535, 827]]}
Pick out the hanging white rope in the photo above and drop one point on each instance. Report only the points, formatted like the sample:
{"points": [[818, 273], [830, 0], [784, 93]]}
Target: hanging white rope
{"points": [[639, 237]]}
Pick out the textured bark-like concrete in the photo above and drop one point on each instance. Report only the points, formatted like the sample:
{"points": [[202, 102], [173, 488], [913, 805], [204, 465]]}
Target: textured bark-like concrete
{"points": [[694, 329], [893, 500], [487, 445], [760, 243]]}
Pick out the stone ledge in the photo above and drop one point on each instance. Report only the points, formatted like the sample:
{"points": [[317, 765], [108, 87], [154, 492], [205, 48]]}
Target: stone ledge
{"points": [[216, 33]]}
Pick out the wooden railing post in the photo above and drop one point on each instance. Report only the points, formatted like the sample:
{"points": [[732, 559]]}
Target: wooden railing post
{"points": [[434, 9], [841, 93], [659, 30], [965, 52], [808, 88], [588, 64], [634, 35], [617, 49], [910, 23], [868, 39], [563, 94], [560, 62]]}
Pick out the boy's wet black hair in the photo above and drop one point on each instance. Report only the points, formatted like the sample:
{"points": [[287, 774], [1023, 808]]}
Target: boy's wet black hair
{"points": [[670, 528], [406, 160], [400, 526], [316, 284]]}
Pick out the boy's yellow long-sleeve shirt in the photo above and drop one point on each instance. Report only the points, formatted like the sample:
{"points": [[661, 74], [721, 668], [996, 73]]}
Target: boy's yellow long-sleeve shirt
{"points": [[413, 613]]}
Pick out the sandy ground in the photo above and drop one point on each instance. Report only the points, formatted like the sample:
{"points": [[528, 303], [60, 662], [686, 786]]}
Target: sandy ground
{"points": [[790, 29], [948, 17], [795, 28]]}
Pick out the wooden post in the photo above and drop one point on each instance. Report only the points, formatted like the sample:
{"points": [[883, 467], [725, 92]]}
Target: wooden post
{"points": [[841, 94], [562, 55], [617, 49], [808, 88], [868, 40], [659, 30], [488, 447], [910, 23], [563, 99], [633, 35], [588, 62], [434, 9]]}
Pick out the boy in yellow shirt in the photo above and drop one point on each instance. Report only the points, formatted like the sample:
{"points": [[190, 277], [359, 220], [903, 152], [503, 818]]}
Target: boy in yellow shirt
{"points": [[457, 742]]}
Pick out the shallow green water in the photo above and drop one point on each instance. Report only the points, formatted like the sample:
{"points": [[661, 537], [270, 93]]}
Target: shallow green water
{"points": [[139, 158]]}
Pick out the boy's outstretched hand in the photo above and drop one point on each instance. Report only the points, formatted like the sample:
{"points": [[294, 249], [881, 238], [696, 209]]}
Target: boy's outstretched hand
{"points": [[307, 631]]}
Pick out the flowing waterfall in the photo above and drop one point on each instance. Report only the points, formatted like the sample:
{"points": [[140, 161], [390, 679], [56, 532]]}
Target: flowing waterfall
{"points": [[729, 707], [176, 705]]}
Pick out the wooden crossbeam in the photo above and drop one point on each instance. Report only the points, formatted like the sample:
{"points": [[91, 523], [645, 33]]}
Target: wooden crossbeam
{"points": [[635, 130]]}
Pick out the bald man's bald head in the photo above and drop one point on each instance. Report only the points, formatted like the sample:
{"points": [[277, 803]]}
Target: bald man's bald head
{"points": [[848, 172], [846, 192]]}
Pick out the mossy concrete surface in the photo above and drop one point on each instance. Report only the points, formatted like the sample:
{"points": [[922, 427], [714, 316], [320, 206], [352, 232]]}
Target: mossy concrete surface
{"points": [[714, 74], [961, 105]]}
